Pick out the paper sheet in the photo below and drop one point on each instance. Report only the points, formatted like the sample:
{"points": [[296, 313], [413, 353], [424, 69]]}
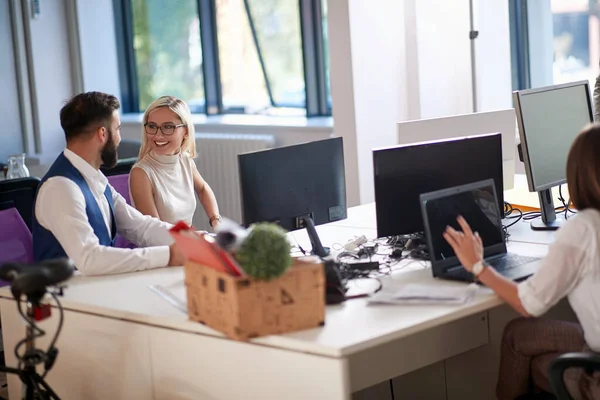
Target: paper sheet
{"points": [[414, 293], [174, 295]]}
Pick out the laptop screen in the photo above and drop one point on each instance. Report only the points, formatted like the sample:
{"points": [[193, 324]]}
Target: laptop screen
{"points": [[477, 205]]}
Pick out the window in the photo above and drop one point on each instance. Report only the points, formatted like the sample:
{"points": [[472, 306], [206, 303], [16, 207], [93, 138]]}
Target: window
{"points": [[225, 56], [326, 51], [576, 40], [554, 42], [168, 56]]}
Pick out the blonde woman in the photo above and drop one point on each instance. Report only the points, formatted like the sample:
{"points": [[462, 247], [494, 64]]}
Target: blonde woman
{"points": [[164, 179]]}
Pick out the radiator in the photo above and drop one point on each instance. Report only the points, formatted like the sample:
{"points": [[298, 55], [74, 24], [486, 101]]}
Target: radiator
{"points": [[218, 165]]}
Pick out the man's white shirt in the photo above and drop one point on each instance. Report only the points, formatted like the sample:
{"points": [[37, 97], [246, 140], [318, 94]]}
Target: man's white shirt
{"points": [[60, 208]]}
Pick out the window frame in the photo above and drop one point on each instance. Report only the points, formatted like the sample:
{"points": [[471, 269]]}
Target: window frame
{"points": [[313, 56], [519, 44]]}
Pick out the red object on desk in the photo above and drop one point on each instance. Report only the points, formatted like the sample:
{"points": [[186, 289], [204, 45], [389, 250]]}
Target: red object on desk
{"points": [[203, 249]]}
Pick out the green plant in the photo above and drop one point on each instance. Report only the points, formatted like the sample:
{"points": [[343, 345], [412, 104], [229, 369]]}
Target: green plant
{"points": [[265, 254]]}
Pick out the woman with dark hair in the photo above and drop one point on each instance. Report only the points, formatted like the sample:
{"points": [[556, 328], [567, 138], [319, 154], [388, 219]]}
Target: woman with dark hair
{"points": [[571, 269]]}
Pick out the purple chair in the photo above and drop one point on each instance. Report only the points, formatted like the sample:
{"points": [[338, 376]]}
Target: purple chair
{"points": [[16, 243], [121, 184]]}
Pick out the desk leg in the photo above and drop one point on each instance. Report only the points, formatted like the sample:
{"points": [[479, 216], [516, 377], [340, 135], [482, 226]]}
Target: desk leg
{"points": [[192, 366]]}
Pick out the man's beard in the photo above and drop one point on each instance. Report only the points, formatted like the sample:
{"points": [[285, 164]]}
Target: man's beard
{"points": [[109, 152]]}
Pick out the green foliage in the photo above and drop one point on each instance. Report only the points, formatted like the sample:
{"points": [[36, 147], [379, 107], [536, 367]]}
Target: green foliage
{"points": [[265, 254], [168, 51], [277, 24], [162, 32]]}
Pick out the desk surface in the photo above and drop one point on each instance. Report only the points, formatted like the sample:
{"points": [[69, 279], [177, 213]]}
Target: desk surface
{"points": [[363, 219], [350, 327]]}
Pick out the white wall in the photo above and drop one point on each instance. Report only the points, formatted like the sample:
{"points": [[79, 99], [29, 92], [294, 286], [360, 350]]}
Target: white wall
{"points": [[492, 54], [52, 74], [96, 25], [367, 57], [444, 59], [378, 84], [439, 57], [409, 59], [342, 91], [11, 138], [53, 69]]}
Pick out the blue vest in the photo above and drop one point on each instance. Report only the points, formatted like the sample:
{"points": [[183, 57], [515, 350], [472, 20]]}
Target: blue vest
{"points": [[45, 245]]}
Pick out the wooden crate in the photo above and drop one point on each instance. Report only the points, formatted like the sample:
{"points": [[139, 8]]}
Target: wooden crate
{"points": [[244, 308]]}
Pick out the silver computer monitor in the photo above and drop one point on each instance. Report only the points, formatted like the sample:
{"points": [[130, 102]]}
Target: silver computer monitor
{"points": [[549, 119], [502, 121]]}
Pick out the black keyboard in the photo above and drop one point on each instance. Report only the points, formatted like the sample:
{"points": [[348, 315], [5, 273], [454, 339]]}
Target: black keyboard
{"points": [[462, 275], [510, 261]]}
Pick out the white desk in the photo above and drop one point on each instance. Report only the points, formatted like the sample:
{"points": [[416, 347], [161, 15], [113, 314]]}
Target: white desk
{"points": [[363, 219], [121, 341]]}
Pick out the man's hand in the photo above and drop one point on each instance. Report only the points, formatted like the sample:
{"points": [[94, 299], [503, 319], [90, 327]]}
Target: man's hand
{"points": [[176, 257]]}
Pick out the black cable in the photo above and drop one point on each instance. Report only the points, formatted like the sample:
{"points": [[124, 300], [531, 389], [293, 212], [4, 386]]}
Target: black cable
{"points": [[508, 208], [362, 295], [566, 203], [38, 333], [58, 329], [517, 218], [24, 341], [564, 207]]}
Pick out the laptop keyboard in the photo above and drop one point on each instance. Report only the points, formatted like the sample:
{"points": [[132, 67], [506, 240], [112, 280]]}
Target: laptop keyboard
{"points": [[510, 261]]}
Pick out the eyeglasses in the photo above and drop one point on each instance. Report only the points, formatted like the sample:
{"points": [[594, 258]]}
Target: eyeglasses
{"points": [[167, 129]]}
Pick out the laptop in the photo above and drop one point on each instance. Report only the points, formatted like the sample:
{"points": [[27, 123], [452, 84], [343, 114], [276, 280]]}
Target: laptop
{"points": [[478, 204]]}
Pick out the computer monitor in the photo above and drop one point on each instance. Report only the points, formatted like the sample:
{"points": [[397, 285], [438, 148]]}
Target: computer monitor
{"points": [[479, 123], [296, 186], [549, 119], [403, 173]]}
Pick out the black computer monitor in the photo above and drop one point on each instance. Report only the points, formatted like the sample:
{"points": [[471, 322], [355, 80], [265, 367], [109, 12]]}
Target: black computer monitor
{"points": [[403, 173], [296, 186], [549, 119]]}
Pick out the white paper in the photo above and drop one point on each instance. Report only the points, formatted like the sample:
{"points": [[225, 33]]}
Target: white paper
{"points": [[415, 293], [172, 295]]}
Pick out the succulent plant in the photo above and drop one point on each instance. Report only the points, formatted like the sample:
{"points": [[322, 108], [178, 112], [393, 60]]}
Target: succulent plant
{"points": [[265, 253]]}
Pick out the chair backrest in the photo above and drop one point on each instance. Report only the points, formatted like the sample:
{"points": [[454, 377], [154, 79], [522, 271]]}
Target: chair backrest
{"points": [[121, 184], [16, 243], [20, 194], [123, 167], [590, 362], [129, 148]]}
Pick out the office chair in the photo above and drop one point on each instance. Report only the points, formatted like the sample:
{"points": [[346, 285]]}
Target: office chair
{"points": [[16, 243], [20, 194], [122, 168], [590, 362], [121, 184], [129, 148]]}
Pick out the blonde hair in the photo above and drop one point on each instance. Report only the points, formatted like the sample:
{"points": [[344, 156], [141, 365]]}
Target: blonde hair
{"points": [[183, 112]]}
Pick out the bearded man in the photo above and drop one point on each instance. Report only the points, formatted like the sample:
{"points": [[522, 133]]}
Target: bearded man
{"points": [[77, 213]]}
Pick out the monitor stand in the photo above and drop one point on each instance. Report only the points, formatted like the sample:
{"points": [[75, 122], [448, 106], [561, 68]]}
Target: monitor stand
{"points": [[306, 221], [549, 222]]}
